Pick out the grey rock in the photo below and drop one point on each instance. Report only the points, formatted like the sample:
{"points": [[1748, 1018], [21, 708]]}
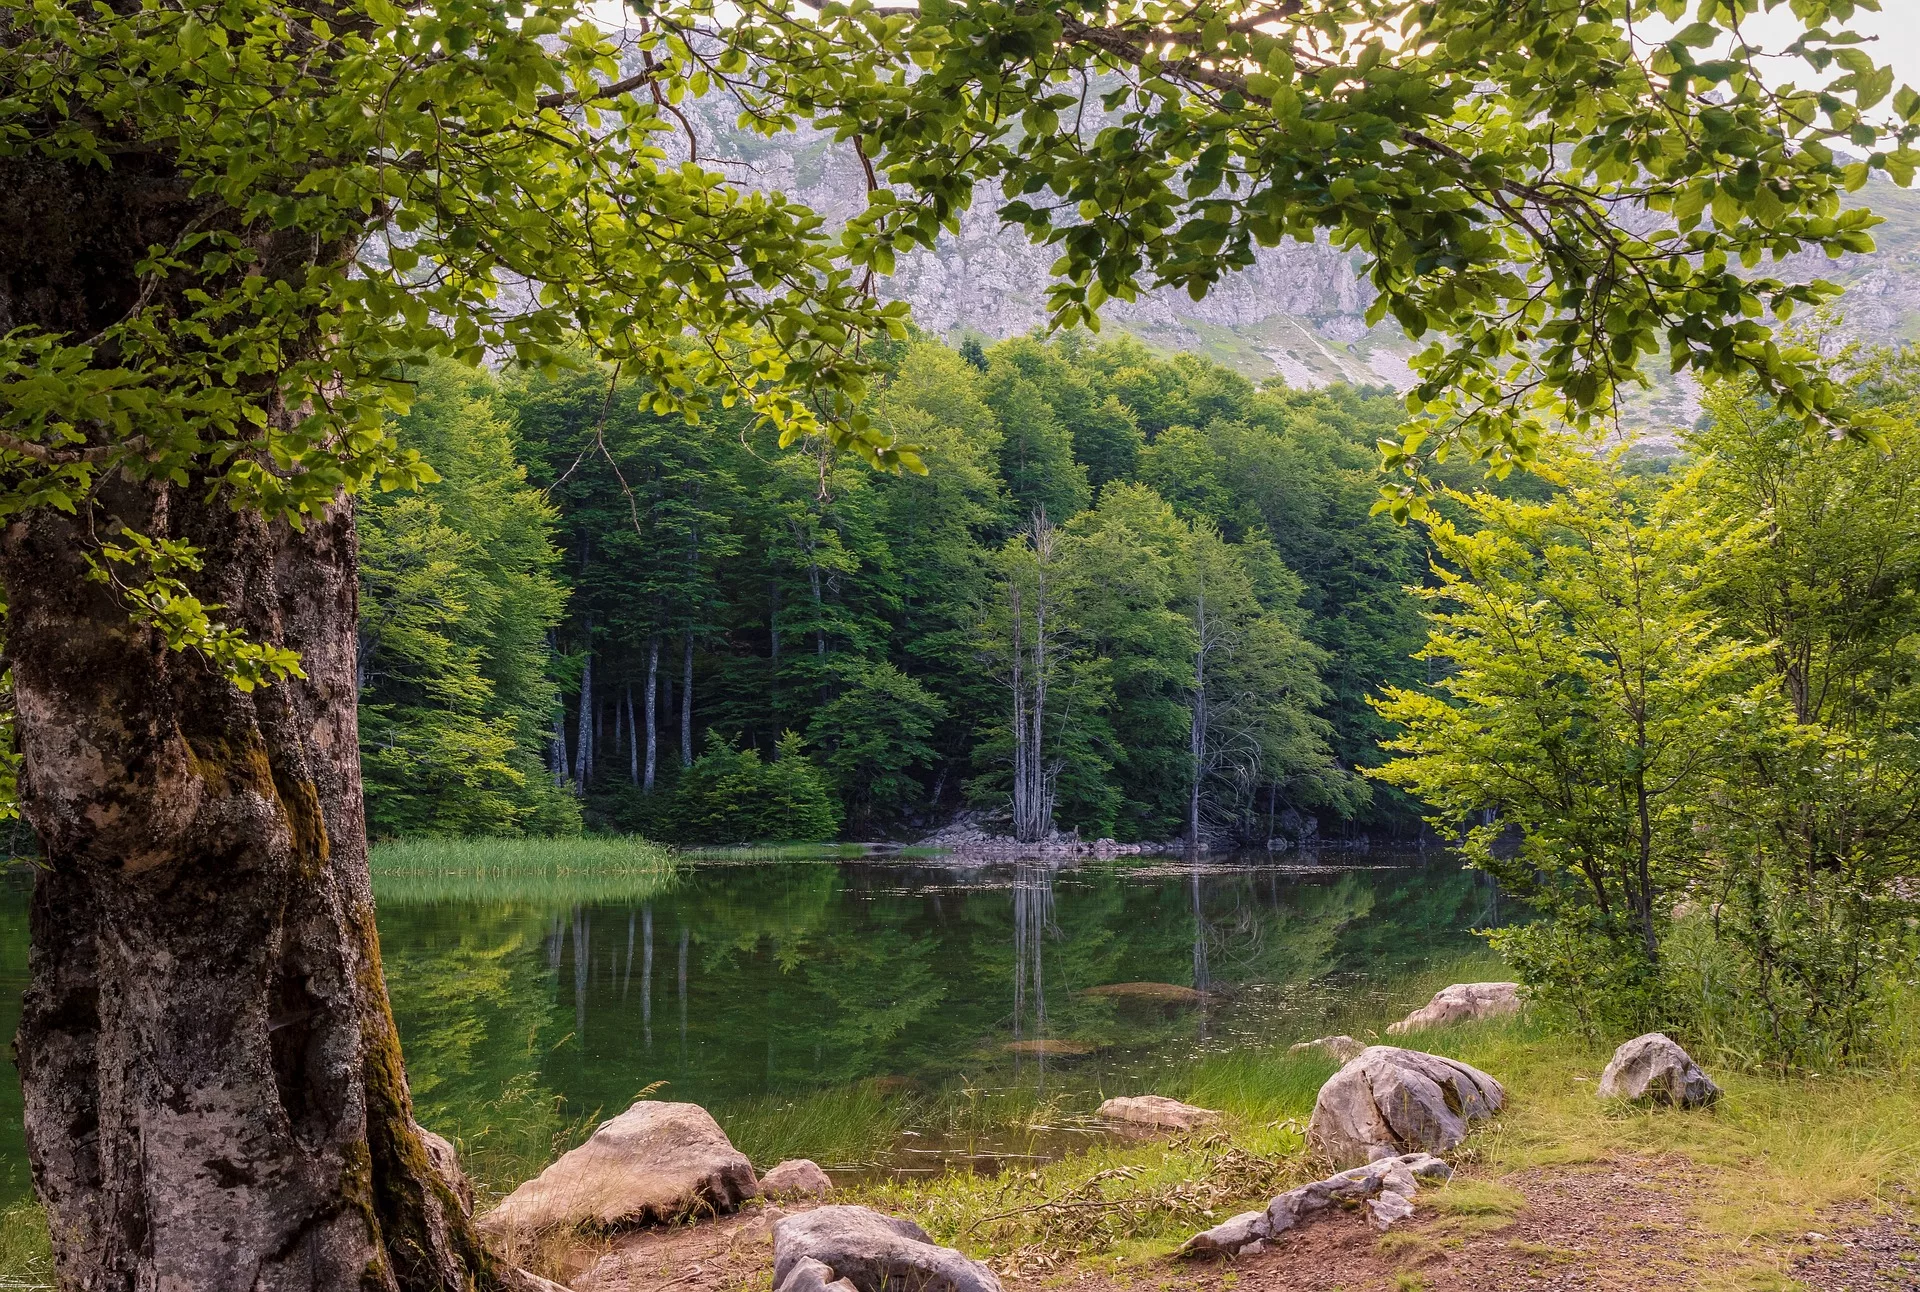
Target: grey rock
{"points": [[809, 1275], [1342, 1049], [654, 1162], [1385, 1187], [1404, 1101], [1463, 1002], [874, 1252], [1155, 1112], [446, 1164], [1654, 1069], [797, 1178]]}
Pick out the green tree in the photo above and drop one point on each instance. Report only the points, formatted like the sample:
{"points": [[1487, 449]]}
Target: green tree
{"points": [[1817, 819], [457, 597], [875, 734], [1589, 701]]}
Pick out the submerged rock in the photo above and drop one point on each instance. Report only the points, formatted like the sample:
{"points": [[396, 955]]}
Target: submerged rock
{"points": [[1384, 1187], [1155, 1111], [872, 1252], [654, 1162], [1159, 993], [1390, 1101], [1343, 1048], [1464, 1002], [1654, 1069], [797, 1178], [1051, 1045]]}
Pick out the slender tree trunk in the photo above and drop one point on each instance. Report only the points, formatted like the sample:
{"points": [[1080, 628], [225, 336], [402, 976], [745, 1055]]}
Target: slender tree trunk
{"points": [[686, 699], [1197, 730], [213, 1085], [583, 744], [653, 726], [633, 741]]}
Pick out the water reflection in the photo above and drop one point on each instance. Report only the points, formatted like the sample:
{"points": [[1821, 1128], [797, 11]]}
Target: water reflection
{"points": [[524, 1017]]}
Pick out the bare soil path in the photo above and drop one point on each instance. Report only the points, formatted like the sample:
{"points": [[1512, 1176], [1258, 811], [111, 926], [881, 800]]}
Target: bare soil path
{"points": [[1623, 1225]]}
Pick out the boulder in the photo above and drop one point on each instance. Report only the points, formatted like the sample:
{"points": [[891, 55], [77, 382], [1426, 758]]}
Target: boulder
{"points": [[798, 1178], [1384, 1187], [1654, 1069], [1156, 1112], [872, 1252], [1464, 1002], [1342, 1049], [446, 1164], [655, 1162], [1389, 1101]]}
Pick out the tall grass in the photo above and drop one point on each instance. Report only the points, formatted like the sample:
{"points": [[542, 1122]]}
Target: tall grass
{"points": [[590, 869], [26, 1258]]}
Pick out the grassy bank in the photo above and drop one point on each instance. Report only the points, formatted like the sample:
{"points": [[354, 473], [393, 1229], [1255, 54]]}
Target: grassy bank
{"points": [[595, 868], [1776, 1158]]}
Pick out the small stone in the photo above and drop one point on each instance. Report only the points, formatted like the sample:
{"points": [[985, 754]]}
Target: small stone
{"points": [[1654, 1069], [1463, 1002], [797, 1178], [1342, 1049], [1156, 1111], [1053, 1045]]}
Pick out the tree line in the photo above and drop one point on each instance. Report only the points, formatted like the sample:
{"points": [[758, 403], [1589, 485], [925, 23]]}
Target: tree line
{"points": [[1132, 595]]}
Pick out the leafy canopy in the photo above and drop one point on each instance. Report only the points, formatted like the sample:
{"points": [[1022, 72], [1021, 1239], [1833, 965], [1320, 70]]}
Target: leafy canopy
{"points": [[1551, 189]]}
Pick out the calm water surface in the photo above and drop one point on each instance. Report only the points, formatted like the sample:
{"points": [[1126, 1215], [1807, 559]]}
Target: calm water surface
{"points": [[776, 991]]}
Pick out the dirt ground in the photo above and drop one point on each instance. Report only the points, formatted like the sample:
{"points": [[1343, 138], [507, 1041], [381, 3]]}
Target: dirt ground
{"points": [[1620, 1226]]}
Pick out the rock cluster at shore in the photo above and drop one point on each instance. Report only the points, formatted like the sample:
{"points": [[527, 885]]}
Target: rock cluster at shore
{"points": [[968, 835], [1384, 1187]]}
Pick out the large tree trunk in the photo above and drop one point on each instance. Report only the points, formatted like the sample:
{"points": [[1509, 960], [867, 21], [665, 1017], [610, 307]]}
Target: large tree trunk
{"points": [[214, 1092]]}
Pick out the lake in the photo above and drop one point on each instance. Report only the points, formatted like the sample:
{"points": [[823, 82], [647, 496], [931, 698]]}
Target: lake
{"points": [[880, 1015]]}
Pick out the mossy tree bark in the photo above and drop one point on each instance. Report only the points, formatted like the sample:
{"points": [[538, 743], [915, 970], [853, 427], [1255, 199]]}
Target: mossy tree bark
{"points": [[215, 1097]]}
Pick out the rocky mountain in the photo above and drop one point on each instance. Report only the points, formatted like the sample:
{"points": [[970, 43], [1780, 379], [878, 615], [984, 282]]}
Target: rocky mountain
{"points": [[1298, 315]]}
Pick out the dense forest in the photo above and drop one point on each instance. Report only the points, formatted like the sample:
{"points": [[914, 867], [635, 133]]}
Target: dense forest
{"points": [[1131, 594]]}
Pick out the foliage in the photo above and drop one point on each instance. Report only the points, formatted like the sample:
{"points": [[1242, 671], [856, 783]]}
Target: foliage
{"points": [[1676, 714], [1816, 822], [457, 599], [731, 795], [819, 597], [875, 733], [1480, 161], [1589, 695]]}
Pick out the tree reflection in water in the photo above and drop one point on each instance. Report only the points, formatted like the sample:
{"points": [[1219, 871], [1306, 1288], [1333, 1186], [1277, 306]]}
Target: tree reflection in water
{"points": [[1032, 924]]}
